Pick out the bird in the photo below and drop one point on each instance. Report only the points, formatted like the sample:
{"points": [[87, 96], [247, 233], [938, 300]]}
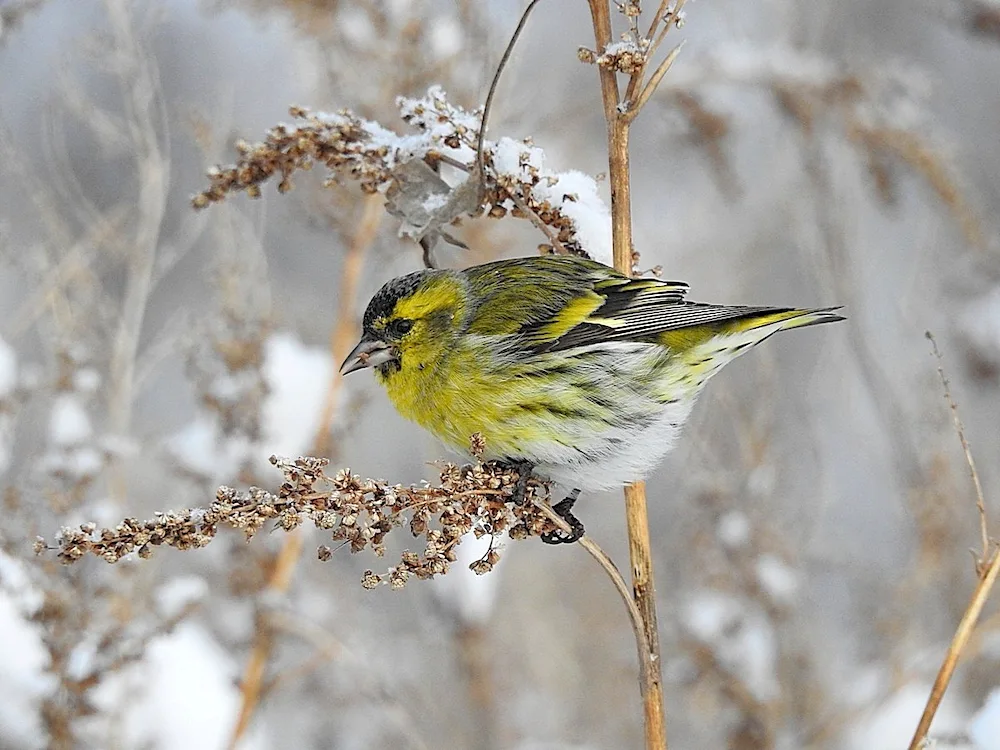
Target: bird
{"points": [[569, 370]]}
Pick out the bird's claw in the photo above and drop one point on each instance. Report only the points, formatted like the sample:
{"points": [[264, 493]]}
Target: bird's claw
{"points": [[564, 509], [523, 469]]}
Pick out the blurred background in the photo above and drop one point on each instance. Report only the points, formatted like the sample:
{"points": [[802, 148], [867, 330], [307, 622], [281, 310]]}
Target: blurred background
{"points": [[811, 533]]}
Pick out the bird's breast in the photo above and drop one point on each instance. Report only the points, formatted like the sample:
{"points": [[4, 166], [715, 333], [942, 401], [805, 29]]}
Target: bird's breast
{"points": [[453, 399]]}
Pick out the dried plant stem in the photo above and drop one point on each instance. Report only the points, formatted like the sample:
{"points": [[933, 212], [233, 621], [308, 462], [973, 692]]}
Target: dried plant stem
{"points": [[544, 228], [480, 166], [640, 551], [251, 688], [958, 643], [987, 566], [653, 82], [342, 336], [657, 31], [960, 429], [646, 664], [602, 558], [644, 593], [618, 131], [153, 176], [253, 676]]}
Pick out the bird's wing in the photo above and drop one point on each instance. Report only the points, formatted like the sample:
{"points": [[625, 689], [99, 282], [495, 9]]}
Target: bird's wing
{"points": [[550, 304], [542, 300], [633, 310]]}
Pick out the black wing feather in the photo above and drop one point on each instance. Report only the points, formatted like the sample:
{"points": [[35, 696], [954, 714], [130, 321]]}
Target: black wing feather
{"points": [[637, 317]]}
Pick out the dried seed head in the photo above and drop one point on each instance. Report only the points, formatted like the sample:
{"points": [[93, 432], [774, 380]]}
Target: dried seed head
{"points": [[351, 509], [481, 567]]}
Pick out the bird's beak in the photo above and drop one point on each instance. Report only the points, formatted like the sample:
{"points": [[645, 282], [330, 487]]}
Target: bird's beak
{"points": [[368, 353]]}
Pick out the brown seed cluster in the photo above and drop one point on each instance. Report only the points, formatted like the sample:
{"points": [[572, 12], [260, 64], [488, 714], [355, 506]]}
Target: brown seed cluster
{"points": [[341, 142], [627, 60], [622, 57], [358, 513], [504, 188], [354, 148]]}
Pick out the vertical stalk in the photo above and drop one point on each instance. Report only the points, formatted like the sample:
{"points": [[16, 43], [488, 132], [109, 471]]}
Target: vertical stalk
{"points": [[958, 643], [644, 592], [140, 89], [640, 552]]}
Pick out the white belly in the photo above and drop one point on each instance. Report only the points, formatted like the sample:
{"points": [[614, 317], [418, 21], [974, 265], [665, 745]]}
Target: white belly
{"points": [[621, 456]]}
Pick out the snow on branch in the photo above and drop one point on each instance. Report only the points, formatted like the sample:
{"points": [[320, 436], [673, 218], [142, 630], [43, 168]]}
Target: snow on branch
{"points": [[429, 176]]}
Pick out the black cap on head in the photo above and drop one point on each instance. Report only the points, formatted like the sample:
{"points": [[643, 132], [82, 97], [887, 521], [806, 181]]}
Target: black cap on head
{"points": [[384, 301]]}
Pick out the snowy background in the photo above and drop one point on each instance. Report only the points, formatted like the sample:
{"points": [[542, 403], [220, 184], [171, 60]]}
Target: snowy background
{"points": [[811, 534]]}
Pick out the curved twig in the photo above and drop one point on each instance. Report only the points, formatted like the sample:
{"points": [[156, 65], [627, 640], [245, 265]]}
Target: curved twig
{"points": [[540, 225], [621, 586], [635, 616], [480, 160]]}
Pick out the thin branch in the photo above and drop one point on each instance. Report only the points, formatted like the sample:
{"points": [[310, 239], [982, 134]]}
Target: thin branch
{"points": [[663, 32], [601, 16], [661, 12], [644, 592], [987, 571], [488, 106], [598, 553], [652, 45], [651, 85], [635, 81], [960, 429], [646, 665], [535, 219]]}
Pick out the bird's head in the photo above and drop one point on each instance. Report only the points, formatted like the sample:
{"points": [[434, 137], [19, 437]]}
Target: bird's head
{"points": [[410, 323]]}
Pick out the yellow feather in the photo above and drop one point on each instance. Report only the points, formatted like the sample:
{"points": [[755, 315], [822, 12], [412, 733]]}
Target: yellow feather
{"points": [[682, 339], [759, 321], [574, 313]]}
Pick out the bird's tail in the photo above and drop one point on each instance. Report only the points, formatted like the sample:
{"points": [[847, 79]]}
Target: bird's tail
{"points": [[788, 319], [748, 328]]}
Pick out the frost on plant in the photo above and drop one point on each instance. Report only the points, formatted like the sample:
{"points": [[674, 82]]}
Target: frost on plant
{"points": [[429, 177]]}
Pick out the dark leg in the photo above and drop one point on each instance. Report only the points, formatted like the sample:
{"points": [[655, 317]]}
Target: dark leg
{"points": [[523, 469], [564, 510]]}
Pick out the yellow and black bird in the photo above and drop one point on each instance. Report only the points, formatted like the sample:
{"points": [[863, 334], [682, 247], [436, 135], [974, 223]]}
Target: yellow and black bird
{"points": [[565, 366]]}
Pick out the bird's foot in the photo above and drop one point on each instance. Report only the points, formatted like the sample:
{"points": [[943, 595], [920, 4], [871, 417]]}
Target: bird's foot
{"points": [[523, 469], [564, 509]]}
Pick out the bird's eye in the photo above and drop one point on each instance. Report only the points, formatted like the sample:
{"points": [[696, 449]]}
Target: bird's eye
{"points": [[400, 327]]}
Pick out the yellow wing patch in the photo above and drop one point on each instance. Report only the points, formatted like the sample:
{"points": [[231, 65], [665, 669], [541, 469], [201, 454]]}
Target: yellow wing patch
{"points": [[683, 339], [575, 312]]}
